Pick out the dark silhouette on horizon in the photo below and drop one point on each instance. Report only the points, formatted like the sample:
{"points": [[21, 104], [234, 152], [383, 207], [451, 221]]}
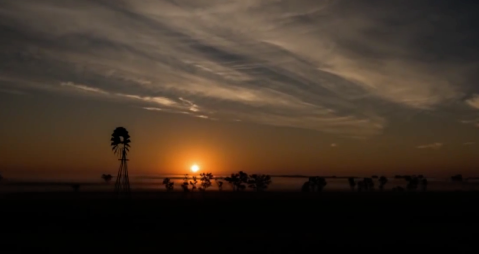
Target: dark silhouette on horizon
{"points": [[424, 184], [205, 181], [238, 181], [352, 183], [219, 184], [412, 183], [314, 183], [382, 181], [193, 183], [456, 178], [106, 178], [75, 187], [120, 144], [185, 184], [259, 182], [169, 185]]}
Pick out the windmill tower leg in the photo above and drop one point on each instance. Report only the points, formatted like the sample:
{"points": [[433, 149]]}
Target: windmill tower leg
{"points": [[122, 185]]}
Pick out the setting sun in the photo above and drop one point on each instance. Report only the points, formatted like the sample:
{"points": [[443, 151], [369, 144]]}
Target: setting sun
{"points": [[195, 168]]}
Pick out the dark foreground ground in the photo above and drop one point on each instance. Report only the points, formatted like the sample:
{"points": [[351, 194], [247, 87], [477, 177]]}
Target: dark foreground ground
{"points": [[240, 222]]}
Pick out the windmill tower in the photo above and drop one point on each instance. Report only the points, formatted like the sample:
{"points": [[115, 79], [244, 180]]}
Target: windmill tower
{"points": [[120, 144]]}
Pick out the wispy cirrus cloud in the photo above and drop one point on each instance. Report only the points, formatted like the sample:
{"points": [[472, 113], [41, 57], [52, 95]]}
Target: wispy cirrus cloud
{"points": [[473, 101], [12, 91], [323, 65], [181, 106], [431, 146]]}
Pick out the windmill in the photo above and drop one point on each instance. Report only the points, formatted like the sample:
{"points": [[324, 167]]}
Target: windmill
{"points": [[120, 144]]}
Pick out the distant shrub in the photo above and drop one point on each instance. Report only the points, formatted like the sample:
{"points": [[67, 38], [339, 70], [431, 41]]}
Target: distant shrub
{"points": [[106, 178], [205, 179], [185, 184], [259, 182], [169, 185], [238, 180], [193, 183], [219, 184]]}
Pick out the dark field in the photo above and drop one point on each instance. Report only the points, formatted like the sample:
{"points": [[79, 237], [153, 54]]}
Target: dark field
{"points": [[270, 220]]}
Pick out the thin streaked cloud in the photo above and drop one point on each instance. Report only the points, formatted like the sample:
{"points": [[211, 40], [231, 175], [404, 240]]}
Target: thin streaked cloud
{"points": [[329, 66], [431, 146]]}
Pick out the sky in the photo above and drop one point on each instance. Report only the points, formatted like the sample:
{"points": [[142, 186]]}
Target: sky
{"points": [[319, 87]]}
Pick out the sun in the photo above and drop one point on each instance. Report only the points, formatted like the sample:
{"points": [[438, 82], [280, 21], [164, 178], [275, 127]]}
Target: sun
{"points": [[195, 168]]}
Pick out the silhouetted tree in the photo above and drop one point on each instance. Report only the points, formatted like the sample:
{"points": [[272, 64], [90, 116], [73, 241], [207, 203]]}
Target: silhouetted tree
{"points": [[352, 183], [398, 189], [238, 180], [259, 182], [205, 179], [193, 183], [169, 185], [321, 184], [317, 183], [184, 185], [456, 178], [106, 178], [424, 184], [75, 187], [407, 178], [361, 186], [219, 184], [382, 181], [306, 187], [413, 183], [368, 184]]}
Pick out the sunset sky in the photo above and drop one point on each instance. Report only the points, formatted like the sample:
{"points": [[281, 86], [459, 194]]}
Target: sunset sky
{"points": [[323, 87]]}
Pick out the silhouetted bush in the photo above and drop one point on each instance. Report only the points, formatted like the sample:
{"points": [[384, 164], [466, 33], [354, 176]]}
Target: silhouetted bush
{"points": [[456, 178], [185, 184], [398, 189], [306, 187], [193, 183], [219, 184], [205, 179], [238, 181], [382, 181], [368, 184], [169, 185], [75, 187], [317, 183], [413, 183], [106, 178], [259, 182], [424, 184], [352, 183], [361, 186]]}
